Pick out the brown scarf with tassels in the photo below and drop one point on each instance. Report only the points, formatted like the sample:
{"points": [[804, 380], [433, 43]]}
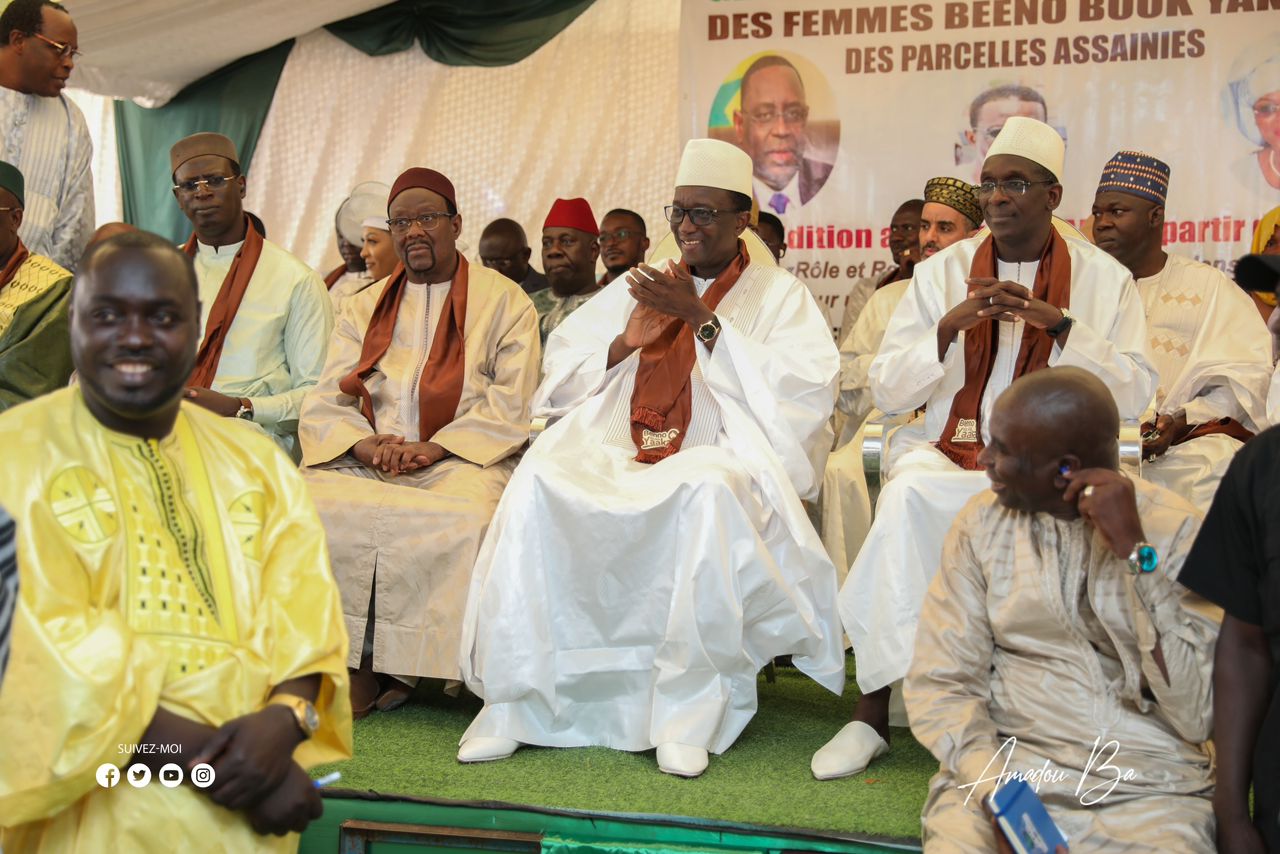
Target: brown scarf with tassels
{"points": [[225, 305], [961, 439], [661, 402], [440, 386]]}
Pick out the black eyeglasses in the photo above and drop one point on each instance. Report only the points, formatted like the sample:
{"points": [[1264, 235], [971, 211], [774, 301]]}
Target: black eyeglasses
{"points": [[64, 50], [1012, 187], [699, 216], [428, 221], [213, 182], [617, 236]]}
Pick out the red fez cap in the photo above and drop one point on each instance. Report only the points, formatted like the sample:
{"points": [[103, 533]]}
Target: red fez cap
{"points": [[572, 213], [425, 179]]}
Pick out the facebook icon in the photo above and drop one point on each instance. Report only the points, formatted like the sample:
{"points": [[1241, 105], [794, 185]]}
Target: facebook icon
{"points": [[108, 775]]}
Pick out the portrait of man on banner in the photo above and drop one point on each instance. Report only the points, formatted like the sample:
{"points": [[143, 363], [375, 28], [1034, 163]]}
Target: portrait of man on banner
{"points": [[988, 112], [778, 109]]}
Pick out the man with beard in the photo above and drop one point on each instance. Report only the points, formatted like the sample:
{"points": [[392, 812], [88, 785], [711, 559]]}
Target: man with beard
{"points": [[410, 437], [651, 552], [977, 316], [266, 316], [904, 245], [951, 213], [569, 253], [1057, 635], [771, 127], [42, 132], [1212, 351], [175, 591], [623, 242], [504, 248]]}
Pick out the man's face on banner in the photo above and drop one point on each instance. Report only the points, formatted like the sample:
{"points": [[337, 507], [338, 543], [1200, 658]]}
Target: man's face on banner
{"points": [[992, 116], [771, 124]]}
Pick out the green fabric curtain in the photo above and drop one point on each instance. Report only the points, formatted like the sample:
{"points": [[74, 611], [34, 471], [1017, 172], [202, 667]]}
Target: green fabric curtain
{"points": [[233, 100], [460, 32]]}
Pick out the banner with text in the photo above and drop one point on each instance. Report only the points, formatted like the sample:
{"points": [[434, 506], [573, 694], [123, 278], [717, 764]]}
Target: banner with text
{"points": [[865, 102]]}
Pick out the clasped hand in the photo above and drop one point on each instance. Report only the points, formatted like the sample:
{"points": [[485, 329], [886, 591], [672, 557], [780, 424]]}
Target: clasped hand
{"points": [[254, 771], [992, 299], [393, 455]]}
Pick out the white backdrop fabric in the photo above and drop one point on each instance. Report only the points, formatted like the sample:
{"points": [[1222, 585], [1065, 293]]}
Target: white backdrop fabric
{"points": [[593, 113]]}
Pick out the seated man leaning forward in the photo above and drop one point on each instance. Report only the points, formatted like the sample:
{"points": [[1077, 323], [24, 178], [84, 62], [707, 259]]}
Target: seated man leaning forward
{"points": [[651, 553], [411, 436], [976, 316], [1056, 641], [175, 591]]}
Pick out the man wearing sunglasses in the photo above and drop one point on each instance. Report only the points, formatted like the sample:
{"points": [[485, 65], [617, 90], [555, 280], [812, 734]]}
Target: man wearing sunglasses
{"points": [[42, 132], [976, 316], [265, 315]]}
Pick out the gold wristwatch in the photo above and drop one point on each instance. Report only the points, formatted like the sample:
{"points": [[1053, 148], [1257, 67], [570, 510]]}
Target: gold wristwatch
{"points": [[304, 713]]}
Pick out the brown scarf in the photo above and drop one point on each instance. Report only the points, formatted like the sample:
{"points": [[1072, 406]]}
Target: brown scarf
{"points": [[961, 439], [335, 274], [661, 402], [10, 270], [440, 386], [225, 305], [1229, 426]]}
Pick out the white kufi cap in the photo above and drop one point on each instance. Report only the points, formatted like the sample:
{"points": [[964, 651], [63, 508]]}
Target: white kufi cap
{"points": [[712, 163], [1032, 139]]}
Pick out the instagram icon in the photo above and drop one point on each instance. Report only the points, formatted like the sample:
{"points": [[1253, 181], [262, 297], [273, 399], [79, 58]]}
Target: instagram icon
{"points": [[202, 776]]}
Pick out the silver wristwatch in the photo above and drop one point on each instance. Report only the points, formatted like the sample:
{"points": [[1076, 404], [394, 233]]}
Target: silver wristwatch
{"points": [[246, 410]]}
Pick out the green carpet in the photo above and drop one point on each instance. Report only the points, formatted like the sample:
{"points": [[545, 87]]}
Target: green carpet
{"points": [[763, 779]]}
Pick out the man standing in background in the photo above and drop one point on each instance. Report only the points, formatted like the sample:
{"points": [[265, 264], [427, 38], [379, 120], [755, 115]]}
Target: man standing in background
{"points": [[623, 243], [42, 132], [505, 249]]}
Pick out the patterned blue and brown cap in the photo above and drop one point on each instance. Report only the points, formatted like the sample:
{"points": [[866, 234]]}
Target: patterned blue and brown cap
{"points": [[1138, 175]]}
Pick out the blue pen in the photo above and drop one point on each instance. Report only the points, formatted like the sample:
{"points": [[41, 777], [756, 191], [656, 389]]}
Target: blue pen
{"points": [[327, 779]]}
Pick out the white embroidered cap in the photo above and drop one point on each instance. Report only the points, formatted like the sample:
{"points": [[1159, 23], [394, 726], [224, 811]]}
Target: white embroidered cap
{"points": [[712, 163], [1032, 139]]}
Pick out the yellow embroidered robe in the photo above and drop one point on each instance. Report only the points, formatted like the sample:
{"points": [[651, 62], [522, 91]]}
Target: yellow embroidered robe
{"points": [[189, 573]]}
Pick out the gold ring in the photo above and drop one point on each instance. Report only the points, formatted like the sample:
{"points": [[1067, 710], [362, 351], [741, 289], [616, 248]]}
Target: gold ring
{"points": [[1088, 491]]}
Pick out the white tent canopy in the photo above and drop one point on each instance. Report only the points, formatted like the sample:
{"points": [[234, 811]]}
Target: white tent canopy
{"points": [[148, 50]]}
